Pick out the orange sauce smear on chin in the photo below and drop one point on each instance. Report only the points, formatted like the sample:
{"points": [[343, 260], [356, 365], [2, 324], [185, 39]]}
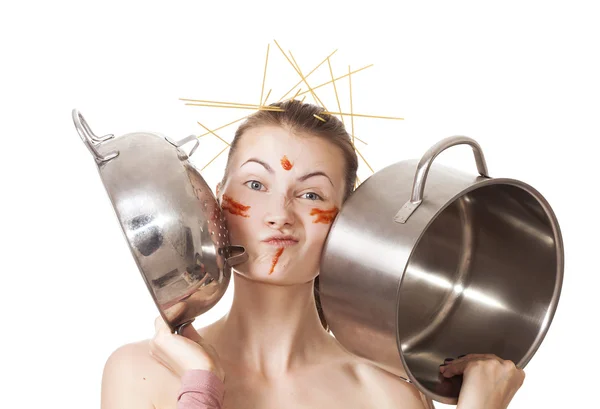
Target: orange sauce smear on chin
{"points": [[285, 163], [234, 207], [276, 259], [324, 216]]}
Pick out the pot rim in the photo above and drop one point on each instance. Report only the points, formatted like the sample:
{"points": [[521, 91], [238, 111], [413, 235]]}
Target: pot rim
{"points": [[484, 182]]}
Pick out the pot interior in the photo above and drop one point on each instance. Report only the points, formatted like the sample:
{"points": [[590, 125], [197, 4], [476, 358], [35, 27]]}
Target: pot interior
{"points": [[483, 278]]}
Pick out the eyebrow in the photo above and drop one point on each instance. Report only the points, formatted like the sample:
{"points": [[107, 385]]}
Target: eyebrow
{"points": [[300, 179]]}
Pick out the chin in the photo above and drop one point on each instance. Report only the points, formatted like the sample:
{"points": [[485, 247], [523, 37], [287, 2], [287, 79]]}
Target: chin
{"points": [[260, 272]]}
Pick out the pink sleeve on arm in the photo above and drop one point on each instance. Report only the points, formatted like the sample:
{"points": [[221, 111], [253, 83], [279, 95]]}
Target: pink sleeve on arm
{"points": [[200, 389]]}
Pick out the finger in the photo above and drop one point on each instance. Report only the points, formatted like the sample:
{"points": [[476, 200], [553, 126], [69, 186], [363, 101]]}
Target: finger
{"points": [[468, 357], [160, 326], [458, 366], [453, 368], [460, 358]]}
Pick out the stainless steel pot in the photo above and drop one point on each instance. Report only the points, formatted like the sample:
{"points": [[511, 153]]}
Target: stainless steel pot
{"points": [[424, 262], [171, 220]]}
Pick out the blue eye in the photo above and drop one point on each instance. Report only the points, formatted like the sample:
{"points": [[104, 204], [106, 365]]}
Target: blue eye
{"points": [[254, 184], [316, 196]]}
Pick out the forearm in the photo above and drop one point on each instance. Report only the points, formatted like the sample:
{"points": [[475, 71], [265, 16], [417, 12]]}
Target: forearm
{"points": [[200, 389]]}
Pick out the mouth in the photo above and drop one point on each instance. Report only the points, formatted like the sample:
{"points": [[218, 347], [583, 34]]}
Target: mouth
{"points": [[281, 242]]}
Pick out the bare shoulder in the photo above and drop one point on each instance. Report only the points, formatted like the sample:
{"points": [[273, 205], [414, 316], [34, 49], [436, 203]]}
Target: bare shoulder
{"points": [[376, 387], [133, 379], [390, 390]]}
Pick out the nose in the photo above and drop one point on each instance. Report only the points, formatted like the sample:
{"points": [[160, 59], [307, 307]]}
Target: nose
{"points": [[280, 214]]}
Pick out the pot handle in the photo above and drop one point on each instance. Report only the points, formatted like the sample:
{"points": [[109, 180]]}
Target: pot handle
{"points": [[90, 139], [416, 197]]}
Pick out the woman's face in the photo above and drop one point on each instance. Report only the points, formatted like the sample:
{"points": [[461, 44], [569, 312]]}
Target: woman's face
{"points": [[281, 184]]}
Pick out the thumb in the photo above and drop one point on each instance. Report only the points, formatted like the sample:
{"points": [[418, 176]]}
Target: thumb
{"points": [[160, 326]]}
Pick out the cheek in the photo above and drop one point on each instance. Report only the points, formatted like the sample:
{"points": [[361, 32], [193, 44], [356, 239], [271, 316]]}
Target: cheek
{"points": [[317, 226], [325, 216], [235, 207], [241, 209]]}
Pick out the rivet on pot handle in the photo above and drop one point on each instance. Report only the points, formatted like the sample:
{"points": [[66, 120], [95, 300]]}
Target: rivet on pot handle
{"points": [[90, 139], [416, 197]]}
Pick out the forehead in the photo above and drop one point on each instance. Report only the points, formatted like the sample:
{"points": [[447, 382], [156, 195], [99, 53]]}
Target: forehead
{"points": [[306, 152]]}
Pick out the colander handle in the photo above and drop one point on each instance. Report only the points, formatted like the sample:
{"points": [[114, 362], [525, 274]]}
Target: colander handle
{"points": [[180, 143], [416, 197], [90, 139], [239, 258], [179, 328]]}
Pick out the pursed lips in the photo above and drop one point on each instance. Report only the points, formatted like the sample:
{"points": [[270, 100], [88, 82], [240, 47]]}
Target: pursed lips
{"points": [[281, 243]]}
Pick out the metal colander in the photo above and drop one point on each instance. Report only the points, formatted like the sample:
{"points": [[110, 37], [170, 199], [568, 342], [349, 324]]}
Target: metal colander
{"points": [[173, 224]]}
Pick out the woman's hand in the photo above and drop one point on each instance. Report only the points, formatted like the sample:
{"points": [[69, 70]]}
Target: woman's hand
{"points": [[488, 381], [181, 353]]}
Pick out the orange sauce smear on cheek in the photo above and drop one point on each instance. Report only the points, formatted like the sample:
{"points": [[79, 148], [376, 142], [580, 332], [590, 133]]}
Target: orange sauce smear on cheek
{"points": [[285, 163], [276, 259], [324, 216], [233, 207]]}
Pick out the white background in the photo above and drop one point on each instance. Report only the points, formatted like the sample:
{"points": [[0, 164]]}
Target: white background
{"points": [[522, 78]]}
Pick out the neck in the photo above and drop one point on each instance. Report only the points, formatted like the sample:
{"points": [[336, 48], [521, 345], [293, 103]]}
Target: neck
{"points": [[272, 328]]}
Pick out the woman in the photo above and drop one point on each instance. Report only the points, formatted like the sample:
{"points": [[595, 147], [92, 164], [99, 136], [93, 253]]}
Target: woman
{"points": [[288, 173]]}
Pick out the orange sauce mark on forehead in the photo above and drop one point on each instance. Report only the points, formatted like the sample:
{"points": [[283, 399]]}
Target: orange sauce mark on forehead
{"points": [[285, 163], [324, 216], [233, 207], [276, 259]]}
